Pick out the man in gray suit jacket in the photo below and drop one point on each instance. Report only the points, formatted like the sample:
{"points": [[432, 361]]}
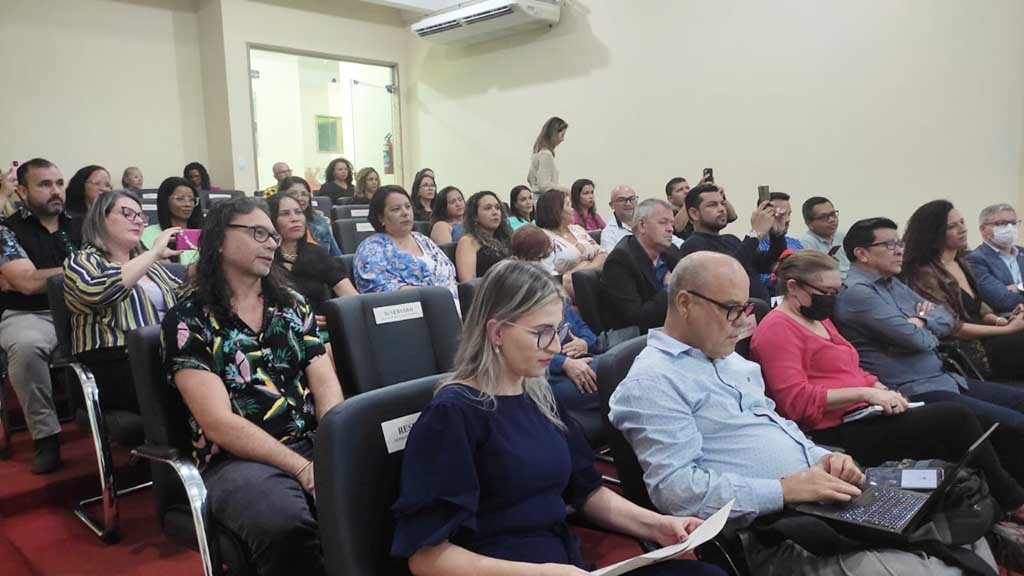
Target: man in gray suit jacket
{"points": [[998, 261]]}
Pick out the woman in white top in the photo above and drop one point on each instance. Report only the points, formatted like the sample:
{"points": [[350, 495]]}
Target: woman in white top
{"points": [[543, 174], [573, 248]]}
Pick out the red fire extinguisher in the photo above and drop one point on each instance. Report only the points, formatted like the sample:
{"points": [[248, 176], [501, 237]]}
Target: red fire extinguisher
{"points": [[389, 155]]}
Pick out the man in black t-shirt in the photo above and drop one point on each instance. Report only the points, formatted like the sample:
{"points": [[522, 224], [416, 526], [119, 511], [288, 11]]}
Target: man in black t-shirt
{"points": [[706, 208], [39, 236]]}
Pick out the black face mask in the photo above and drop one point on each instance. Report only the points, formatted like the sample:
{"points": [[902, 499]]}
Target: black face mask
{"points": [[821, 307]]}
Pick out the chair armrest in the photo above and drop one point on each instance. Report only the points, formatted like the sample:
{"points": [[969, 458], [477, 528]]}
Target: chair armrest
{"points": [[195, 490], [157, 453]]}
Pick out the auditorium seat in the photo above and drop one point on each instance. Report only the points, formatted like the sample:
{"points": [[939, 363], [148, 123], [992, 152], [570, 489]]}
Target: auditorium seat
{"points": [[596, 235], [467, 292], [208, 198], [358, 471], [323, 204], [349, 232], [178, 488], [587, 284], [360, 211], [449, 250], [384, 338]]}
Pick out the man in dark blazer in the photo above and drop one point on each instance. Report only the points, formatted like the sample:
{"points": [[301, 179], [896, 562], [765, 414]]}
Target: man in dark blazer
{"points": [[633, 282], [997, 263]]}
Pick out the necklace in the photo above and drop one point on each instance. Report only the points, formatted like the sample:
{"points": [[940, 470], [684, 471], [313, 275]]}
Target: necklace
{"points": [[289, 258]]}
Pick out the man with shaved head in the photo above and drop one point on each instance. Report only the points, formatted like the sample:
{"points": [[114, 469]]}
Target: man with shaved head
{"points": [[281, 171], [623, 203], [696, 414]]}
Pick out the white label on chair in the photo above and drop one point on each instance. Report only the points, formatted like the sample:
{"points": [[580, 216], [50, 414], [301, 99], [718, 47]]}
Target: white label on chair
{"points": [[361, 213], [776, 300], [398, 312], [396, 432], [364, 227]]}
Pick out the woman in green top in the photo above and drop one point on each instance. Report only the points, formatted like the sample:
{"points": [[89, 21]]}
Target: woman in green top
{"points": [[177, 206], [520, 207]]}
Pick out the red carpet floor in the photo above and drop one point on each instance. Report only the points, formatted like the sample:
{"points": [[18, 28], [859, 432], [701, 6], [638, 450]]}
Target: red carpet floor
{"points": [[40, 536]]}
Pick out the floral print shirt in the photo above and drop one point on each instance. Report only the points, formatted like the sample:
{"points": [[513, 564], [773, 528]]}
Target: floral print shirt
{"points": [[381, 266], [264, 373]]}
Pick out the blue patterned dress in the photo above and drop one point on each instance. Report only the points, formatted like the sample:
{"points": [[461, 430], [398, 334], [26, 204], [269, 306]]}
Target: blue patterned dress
{"points": [[381, 266]]}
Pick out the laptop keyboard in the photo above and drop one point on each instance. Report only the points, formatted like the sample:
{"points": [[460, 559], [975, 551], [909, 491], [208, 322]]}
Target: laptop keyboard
{"points": [[890, 509]]}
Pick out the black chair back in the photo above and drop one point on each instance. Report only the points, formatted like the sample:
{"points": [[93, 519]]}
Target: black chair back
{"points": [[614, 366], [761, 309], [596, 235], [385, 338], [449, 250], [358, 475], [209, 198], [587, 284], [422, 227], [350, 211], [148, 197], [349, 232], [323, 204], [61, 317], [467, 292], [165, 421]]}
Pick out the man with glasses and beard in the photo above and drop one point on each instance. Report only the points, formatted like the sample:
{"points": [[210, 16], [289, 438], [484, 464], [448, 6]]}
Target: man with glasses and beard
{"points": [[33, 246], [244, 352], [707, 209], [822, 220]]}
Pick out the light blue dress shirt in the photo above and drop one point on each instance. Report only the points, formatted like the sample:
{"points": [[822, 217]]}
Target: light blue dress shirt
{"points": [[705, 433]]}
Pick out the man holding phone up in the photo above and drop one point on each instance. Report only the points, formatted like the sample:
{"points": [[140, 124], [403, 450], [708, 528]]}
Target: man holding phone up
{"points": [[706, 208]]}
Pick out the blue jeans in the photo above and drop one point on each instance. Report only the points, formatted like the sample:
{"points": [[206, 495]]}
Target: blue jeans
{"points": [[569, 396]]}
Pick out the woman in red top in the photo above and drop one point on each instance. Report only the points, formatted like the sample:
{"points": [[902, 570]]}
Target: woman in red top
{"points": [[584, 206], [813, 375]]}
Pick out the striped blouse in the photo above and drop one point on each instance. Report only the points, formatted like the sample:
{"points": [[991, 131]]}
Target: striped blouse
{"points": [[102, 309]]}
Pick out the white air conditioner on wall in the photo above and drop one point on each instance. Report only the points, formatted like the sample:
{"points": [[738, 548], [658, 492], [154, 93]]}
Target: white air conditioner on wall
{"points": [[487, 19]]}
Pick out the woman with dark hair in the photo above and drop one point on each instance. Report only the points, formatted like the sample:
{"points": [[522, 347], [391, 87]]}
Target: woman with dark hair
{"points": [[493, 463], [111, 288], [543, 174], [424, 189], [934, 266], [337, 180], [814, 376], [318, 227], [367, 184], [486, 236], [520, 206], [584, 207], [84, 187], [197, 174], [574, 249], [131, 179], [311, 269], [446, 216], [396, 257], [177, 206]]}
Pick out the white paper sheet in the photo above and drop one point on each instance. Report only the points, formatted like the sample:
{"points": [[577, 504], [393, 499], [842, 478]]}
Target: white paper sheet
{"points": [[706, 531]]}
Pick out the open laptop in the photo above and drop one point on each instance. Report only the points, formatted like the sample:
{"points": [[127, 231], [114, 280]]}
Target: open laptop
{"points": [[891, 510]]}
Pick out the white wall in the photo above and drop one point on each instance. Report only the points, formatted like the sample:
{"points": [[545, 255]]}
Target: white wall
{"points": [[114, 83], [880, 105], [342, 28]]}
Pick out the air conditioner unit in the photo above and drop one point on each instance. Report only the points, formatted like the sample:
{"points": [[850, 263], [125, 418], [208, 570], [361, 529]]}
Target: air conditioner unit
{"points": [[487, 19]]}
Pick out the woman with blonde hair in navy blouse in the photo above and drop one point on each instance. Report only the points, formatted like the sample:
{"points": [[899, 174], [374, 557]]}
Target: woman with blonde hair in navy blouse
{"points": [[493, 462]]}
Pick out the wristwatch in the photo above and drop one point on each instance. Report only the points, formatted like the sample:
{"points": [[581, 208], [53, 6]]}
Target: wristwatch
{"points": [[753, 234]]}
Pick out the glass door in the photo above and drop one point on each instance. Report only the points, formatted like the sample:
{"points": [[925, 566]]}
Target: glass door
{"points": [[309, 110]]}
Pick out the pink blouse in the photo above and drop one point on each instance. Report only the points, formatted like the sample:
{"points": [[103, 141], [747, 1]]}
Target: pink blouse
{"points": [[800, 367], [589, 222]]}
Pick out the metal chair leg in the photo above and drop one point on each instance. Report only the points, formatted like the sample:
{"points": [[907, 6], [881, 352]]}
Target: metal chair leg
{"points": [[105, 527], [195, 489]]}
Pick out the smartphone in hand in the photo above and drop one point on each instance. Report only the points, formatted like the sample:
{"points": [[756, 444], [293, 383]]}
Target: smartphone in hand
{"points": [[187, 239], [763, 194], [709, 176]]}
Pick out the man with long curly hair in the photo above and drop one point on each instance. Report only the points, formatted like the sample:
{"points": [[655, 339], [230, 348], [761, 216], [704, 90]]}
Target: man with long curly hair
{"points": [[244, 352]]}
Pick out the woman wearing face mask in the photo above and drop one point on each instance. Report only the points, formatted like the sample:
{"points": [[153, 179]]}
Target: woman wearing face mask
{"points": [[813, 374], [934, 267]]}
